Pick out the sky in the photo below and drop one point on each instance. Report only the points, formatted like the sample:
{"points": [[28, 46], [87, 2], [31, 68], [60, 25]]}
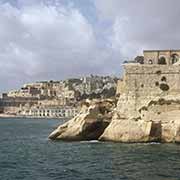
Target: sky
{"points": [[59, 39]]}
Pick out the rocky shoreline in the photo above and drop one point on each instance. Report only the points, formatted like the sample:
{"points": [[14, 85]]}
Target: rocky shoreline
{"points": [[147, 108], [99, 120], [90, 124], [30, 117]]}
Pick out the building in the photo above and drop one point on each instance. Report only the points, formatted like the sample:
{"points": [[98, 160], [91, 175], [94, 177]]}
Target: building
{"points": [[163, 57], [50, 112], [157, 76], [95, 84], [12, 105], [55, 93]]}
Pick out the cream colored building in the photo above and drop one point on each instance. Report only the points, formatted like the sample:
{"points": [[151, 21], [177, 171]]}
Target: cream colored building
{"points": [[162, 57], [50, 112]]}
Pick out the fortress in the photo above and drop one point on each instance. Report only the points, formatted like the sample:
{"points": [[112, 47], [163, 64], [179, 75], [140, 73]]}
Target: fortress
{"points": [[157, 75], [148, 107]]}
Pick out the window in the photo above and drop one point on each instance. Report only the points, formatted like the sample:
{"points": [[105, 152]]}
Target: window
{"points": [[150, 61], [162, 60], [174, 58]]}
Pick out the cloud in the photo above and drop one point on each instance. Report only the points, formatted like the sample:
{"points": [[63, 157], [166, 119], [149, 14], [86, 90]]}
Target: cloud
{"points": [[141, 24], [43, 42], [57, 39], [49, 40]]}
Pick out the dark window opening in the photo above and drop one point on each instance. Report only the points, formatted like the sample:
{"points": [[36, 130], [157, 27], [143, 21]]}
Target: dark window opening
{"points": [[150, 61], [174, 58], [162, 61]]}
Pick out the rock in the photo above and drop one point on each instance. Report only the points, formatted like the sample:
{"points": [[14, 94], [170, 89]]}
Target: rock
{"points": [[165, 111], [177, 137], [171, 132], [100, 120], [88, 125], [168, 132], [129, 131]]}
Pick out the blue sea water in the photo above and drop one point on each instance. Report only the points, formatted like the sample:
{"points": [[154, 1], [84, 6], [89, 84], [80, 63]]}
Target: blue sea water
{"points": [[26, 153]]}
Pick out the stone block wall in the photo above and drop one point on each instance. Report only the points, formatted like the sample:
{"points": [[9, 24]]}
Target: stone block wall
{"points": [[143, 83]]}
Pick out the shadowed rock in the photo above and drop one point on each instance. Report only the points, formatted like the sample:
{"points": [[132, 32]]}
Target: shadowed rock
{"points": [[88, 125]]}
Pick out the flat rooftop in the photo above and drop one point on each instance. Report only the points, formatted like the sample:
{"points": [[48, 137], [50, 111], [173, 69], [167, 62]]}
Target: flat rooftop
{"points": [[161, 50]]}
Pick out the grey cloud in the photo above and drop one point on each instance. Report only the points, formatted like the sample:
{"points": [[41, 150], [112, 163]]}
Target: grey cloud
{"points": [[149, 24], [51, 40], [40, 42]]}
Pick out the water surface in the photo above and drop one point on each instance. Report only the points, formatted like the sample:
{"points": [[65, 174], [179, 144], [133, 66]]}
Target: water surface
{"points": [[26, 153]]}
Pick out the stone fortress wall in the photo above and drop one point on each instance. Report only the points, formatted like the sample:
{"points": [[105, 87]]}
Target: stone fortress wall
{"points": [[143, 83], [148, 107]]}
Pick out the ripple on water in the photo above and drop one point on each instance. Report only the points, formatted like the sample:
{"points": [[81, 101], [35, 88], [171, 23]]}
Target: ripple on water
{"points": [[26, 153]]}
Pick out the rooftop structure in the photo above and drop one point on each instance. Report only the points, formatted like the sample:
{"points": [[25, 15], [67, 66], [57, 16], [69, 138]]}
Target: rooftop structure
{"points": [[163, 57]]}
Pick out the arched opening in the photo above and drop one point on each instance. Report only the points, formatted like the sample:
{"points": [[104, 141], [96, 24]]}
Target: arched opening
{"points": [[150, 61], [174, 58], [162, 60]]}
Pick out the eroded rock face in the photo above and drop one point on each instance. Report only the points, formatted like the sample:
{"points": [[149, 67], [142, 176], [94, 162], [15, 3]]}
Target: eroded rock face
{"points": [[159, 121], [171, 132], [88, 125], [166, 111], [177, 137], [147, 94], [99, 120], [130, 131]]}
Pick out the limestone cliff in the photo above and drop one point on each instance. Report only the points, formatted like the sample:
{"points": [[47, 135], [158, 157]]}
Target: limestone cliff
{"points": [[166, 111], [89, 124], [127, 131], [99, 120], [148, 109]]}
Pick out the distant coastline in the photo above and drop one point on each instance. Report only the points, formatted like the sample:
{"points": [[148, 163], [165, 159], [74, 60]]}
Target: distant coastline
{"points": [[55, 99], [2, 116]]}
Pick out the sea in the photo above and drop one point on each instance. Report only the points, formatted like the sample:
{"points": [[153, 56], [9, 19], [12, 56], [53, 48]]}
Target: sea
{"points": [[26, 153]]}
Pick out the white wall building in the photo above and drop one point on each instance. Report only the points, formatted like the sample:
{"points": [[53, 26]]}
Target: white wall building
{"points": [[51, 112]]}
